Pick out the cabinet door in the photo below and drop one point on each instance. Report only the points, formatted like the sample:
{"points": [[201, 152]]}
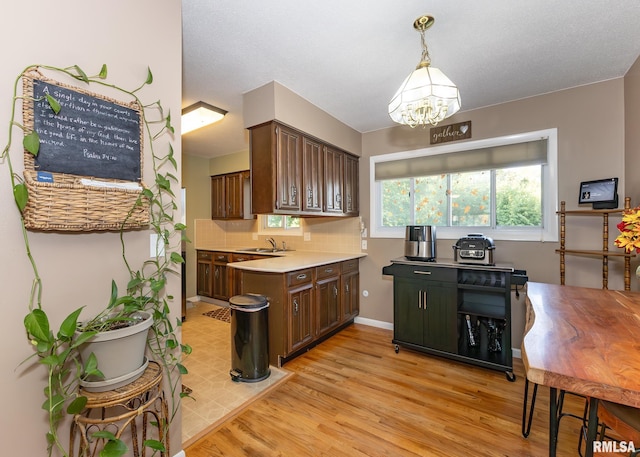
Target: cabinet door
{"points": [[204, 277], [204, 283], [328, 304], [351, 185], [425, 314], [301, 329], [408, 315], [333, 179], [218, 197], [234, 195], [235, 274], [350, 286], [220, 276], [440, 331], [289, 169], [220, 282], [312, 175]]}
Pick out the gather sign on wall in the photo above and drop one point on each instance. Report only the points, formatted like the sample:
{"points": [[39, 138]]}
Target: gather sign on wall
{"points": [[452, 132]]}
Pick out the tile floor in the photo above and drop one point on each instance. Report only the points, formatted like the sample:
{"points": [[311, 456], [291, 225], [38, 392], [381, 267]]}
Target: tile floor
{"points": [[215, 394]]}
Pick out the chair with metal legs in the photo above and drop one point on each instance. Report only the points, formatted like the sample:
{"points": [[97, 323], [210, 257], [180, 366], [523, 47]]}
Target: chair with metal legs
{"points": [[624, 422]]}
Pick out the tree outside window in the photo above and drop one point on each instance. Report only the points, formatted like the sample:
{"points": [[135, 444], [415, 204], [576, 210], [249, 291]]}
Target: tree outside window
{"points": [[508, 197]]}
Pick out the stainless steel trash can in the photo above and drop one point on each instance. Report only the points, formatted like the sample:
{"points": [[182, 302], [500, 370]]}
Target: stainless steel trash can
{"points": [[249, 338]]}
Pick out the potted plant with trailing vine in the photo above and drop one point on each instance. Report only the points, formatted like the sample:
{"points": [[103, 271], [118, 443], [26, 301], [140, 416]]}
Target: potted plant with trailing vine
{"points": [[59, 351]]}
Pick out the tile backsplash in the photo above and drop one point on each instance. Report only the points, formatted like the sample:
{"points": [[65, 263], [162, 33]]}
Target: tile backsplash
{"points": [[325, 234]]}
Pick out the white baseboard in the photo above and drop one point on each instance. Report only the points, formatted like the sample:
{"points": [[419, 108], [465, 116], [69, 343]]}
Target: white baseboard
{"points": [[373, 323], [212, 301], [180, 454]]}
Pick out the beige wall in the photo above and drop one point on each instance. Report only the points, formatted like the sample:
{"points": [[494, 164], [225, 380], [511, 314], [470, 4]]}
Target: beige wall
{"points": [[274, 101], [588, 148], [632, 131], [76, 268], [229, 163]]}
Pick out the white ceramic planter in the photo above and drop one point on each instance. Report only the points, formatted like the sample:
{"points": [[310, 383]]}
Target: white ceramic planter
{"points": [[120, 354]]}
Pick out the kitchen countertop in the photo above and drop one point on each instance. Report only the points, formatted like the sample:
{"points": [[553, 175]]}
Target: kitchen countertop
{"points": [[286, 261]]}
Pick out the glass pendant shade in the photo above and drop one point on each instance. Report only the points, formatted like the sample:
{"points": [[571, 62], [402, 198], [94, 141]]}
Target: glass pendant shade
{"points": [[426, 96]]}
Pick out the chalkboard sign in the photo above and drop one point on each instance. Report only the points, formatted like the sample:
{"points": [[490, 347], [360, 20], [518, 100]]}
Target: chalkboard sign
{"points": [[90, 136]]}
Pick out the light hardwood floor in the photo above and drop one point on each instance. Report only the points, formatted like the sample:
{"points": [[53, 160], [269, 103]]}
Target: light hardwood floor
{"points": [[354, 396]]}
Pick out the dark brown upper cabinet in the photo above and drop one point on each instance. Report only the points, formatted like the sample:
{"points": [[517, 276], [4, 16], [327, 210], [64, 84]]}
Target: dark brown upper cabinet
{"points": [[296, 174], [227, 195]]}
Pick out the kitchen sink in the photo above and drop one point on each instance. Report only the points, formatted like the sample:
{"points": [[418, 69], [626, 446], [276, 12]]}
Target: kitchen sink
{"points": [[262, 250]]}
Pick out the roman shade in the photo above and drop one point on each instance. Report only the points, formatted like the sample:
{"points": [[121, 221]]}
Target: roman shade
{"points": [[510, 155]]}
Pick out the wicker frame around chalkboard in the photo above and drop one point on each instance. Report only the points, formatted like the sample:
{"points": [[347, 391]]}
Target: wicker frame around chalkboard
{"points": [[68, 204]]}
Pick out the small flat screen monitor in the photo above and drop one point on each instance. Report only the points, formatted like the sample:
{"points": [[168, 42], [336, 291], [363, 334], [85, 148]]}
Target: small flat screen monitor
{"points": [[602, 193]]}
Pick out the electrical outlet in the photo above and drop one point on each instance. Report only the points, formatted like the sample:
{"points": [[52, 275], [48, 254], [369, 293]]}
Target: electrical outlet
{"points": [[364, 245], [254, 236], [307, 236]]}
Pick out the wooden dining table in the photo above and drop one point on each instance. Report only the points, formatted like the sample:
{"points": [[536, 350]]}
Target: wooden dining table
{"points": [[585, 341]]}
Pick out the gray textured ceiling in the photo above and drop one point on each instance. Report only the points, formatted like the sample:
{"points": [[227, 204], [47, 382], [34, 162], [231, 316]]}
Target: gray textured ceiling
{"points": [[348, 57]]}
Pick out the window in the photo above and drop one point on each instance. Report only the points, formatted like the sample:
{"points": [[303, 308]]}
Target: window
{"points": [[502, 187], [277, 224]]}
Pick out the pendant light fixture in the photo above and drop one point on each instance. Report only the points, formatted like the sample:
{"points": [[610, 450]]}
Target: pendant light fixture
{"points": [[426, 96]]}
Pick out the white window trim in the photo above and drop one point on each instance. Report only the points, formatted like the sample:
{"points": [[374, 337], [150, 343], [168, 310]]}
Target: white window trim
{"points": [[549, 205], [264, 230]]}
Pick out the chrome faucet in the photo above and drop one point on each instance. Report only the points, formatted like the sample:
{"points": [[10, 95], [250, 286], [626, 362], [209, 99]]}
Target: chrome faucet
{"points": [[273, 243]]}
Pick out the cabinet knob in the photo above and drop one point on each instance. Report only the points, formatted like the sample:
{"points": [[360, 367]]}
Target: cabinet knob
{"points": [[295, 306], [302, 276]]}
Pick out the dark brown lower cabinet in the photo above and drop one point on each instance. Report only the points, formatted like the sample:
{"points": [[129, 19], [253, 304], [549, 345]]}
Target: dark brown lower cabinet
{"points": [[204, 273], [350, 288], [305, 306], [300, 311]]}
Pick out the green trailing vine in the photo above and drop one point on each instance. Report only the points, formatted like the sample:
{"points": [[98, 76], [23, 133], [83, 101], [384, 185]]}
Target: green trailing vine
{"points": [[146, 290]]}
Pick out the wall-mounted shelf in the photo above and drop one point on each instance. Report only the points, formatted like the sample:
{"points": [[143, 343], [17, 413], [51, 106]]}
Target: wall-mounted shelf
{"points": [[604, 253]]}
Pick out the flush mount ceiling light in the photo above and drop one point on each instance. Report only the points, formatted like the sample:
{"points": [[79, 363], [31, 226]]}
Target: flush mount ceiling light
{"points": [[426, 96], [199, 115]]}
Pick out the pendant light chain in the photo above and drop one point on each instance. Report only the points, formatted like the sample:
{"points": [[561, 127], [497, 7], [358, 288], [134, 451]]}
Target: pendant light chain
{"points": [[425, 51]]}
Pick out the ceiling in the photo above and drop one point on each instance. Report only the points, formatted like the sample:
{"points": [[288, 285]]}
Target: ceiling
{"points": [[349, 57]]}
